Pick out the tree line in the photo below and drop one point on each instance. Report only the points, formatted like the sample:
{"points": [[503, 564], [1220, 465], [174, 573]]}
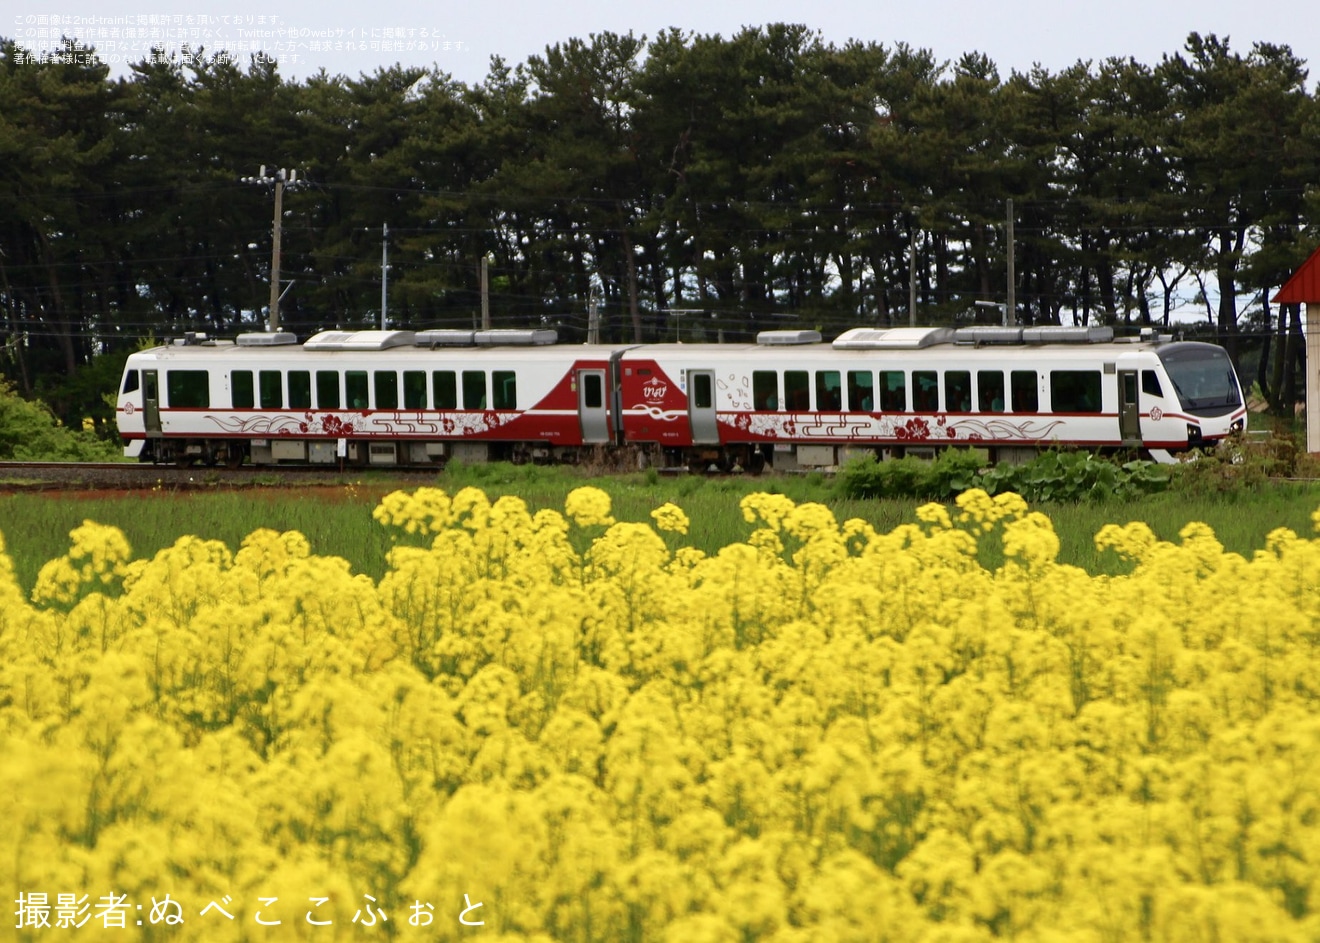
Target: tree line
{"points": [[687, 187]]}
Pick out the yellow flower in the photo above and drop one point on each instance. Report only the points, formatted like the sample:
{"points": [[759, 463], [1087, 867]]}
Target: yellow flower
{"points": [[588, 507], [670, 517]]}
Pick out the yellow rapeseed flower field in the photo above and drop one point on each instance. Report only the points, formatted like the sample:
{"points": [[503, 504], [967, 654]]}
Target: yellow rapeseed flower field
{"points": [[560, 727]]}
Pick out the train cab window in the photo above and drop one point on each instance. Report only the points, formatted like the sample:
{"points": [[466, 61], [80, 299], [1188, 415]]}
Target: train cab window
{"points": [[1075, 391], [300, 389], [241, 389], [703, 391], [765, 390], [990, 391], [1025, 391], [861, 391], [414, 389], [893, 391], [797, 390], [925, 391], [355, 389], [130, 381], [387, 389], [327, 389], [188, 389], [829, 391], [958, 391], [1150, 383], [504, 389], [444, 389], [474, 389], [270, 386]]}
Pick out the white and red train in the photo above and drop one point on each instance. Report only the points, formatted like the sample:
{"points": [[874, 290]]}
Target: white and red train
{"points": [[405, 398]]}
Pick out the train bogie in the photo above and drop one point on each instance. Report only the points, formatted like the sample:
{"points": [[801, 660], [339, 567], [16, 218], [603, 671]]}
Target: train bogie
{"points": [[375, 398]]}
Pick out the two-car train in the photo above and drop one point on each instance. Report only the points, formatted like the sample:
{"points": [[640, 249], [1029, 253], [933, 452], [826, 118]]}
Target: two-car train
{"points": [[402, 398]]}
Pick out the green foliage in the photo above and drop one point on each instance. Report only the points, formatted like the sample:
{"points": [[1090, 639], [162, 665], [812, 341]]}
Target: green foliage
{"points": [[1052, 476], [1244, 464], [30, 432], [952, 472]]}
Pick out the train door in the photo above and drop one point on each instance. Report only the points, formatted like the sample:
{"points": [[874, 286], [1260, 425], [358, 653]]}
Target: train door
{"points": [[593, 408], [701, 406], [151, 403], [1129, 408]]}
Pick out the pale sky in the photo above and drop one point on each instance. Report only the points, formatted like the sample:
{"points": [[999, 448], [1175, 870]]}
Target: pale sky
{"points": [[350, 38]]}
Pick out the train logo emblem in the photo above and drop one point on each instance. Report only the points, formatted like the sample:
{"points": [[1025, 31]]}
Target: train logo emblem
{"points": [[654, 390], [1156, 413]]}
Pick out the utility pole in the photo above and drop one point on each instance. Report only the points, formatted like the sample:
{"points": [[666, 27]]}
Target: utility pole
{"points": [[485, 294], [593, 315], [912, 271], [279, 178], [384, 269], [1010, 308]]}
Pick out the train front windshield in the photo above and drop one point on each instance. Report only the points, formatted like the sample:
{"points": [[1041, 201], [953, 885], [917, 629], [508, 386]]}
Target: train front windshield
{"points": [[1203, 377]]}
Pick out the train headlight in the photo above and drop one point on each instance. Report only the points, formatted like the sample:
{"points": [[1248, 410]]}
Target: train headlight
{"points": [[1193, 432], [1236, 426]]}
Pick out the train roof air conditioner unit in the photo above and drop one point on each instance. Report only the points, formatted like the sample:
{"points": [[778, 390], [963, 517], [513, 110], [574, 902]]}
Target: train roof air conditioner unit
{"points": [[445, 337], [894, 338], [277, 339], [787, 338], [359, 340], [1065, 334], [514, 336]]}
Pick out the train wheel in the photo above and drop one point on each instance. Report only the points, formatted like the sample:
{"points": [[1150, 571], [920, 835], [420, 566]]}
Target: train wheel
{"points": [[234, 457], [755, 463]]}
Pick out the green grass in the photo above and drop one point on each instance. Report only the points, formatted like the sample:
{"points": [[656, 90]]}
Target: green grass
{"points": [[337, 520]]}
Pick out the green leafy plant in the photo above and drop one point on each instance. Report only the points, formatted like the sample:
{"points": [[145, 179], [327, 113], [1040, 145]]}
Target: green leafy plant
{"points": [[1053, 476], [30, 432]]}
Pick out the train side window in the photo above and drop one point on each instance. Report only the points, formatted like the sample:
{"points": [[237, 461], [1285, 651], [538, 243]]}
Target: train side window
{"points": [[797, 390], [861, 391], [990, 390], [829, 391], [270, 386], [130, 381], [327, 389], [1075, 391], [444, 387], [241, 390], [925, 391], [1150, 383], [474, 389], [893, 391], [355, 389], [414, 389], [504, 389], [188, 389], [765, 390], [300, 389], [387, 389], [958, 391], [703, 391], [1025, 391]]}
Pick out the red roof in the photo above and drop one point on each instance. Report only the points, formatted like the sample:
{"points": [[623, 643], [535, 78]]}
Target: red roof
{"points": [[1304, 286]]}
